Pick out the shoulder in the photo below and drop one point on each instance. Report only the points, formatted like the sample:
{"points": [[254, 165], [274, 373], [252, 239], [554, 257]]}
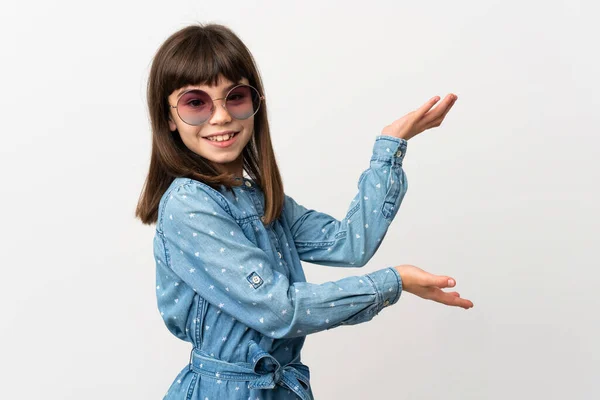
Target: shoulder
{"points": [[186, 195], [292, 210], [290, 203]]}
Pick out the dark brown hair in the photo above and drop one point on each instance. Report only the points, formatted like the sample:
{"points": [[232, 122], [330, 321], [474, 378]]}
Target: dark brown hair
{"points": [[197, 55]]}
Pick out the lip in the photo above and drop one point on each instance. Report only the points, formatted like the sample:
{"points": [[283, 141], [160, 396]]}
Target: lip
{"points": [[225, 143]]}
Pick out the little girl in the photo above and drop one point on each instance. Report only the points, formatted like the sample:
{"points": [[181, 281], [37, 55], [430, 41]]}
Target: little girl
{"points": [[229, 242]]}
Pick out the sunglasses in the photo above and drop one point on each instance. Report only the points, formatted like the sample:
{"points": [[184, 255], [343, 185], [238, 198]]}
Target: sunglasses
{"points": [[195, 106]]}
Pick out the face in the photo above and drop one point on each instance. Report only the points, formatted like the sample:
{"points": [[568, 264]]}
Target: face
{"points": [[225, 156]]}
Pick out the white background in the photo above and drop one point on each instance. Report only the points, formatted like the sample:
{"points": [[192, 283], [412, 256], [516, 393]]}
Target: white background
{"points": [[503, 196]]}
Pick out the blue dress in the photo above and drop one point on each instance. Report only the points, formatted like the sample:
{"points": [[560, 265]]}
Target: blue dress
{"points": [[234, 287]]}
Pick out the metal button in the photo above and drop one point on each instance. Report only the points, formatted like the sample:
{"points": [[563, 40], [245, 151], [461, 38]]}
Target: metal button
{"points": [[255, 280], [398, 153], [279, 254], [248, 184], [386, 303], [262, 218]]}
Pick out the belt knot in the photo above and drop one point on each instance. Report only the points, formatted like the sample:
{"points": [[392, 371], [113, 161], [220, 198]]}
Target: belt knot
{"points": [[263, 372]]}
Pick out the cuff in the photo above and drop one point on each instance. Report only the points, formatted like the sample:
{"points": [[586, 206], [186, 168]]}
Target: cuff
{"points": [[388, 286], [389, 149]]}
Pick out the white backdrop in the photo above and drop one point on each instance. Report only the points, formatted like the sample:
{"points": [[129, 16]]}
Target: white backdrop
{"points": [[503, 196]]}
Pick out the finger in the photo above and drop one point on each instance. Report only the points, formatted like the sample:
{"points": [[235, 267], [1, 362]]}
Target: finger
{"points": [[435, 123], [454, 98], [418, 114], [448, 299], [450, 105], [439, 281], [439, 113], [439, 119]]}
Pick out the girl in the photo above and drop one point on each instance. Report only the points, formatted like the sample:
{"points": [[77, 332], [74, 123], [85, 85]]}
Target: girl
{"points": [[229, 241]]}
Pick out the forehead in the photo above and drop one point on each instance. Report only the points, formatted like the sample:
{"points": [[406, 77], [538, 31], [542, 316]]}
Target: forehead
{"points": [[222, 87]]}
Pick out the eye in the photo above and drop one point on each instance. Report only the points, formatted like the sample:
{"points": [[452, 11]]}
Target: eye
{"points": [[195, 103], [236, 97]]}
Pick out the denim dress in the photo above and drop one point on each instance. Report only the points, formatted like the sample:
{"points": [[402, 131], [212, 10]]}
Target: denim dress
{"points": [[235, 289]]}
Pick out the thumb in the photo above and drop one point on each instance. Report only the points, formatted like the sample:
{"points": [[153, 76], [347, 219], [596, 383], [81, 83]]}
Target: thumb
{"points": [[442, 281]]}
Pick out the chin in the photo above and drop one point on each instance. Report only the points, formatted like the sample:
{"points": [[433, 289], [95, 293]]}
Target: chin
{"points": [[224, 159]]}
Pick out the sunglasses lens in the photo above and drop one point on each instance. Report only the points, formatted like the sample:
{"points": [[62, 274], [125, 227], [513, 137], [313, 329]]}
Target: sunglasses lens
{"points": [[243, 102], [194, 107]]}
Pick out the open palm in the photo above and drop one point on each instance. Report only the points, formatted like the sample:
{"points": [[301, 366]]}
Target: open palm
{"points": [[421, 119], [428, 286]]}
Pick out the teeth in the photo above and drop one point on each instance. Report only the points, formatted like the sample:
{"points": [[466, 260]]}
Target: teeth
{"points": [[221, 138]]}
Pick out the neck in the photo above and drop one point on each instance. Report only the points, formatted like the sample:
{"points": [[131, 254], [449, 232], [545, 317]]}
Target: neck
{"points": [[235, 168]]}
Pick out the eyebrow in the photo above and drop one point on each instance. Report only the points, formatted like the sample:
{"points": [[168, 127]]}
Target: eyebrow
{"points": [[225, 90]]}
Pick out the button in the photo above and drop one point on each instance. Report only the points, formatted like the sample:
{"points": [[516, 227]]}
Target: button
{"points": [[398, 153], [262, 218], [279, 254], [255, 280], [386, 303], [248, 184]]}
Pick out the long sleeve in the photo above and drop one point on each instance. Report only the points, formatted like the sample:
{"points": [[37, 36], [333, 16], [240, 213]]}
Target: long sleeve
{"points": [[322, 239], [206, 247]]}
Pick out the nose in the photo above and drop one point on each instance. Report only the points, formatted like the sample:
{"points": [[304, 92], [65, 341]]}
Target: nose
{"points": [[220, 114]]}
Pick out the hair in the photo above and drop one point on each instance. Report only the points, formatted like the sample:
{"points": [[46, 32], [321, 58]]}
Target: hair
{"points": [[197, 55]]}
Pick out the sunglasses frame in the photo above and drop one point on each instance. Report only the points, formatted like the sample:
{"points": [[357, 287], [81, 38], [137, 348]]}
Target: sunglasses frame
{"points": [[261, 98]]}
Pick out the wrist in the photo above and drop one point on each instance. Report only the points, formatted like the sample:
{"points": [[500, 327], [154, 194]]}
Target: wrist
{"points": [[394, 136], [404, 278]]}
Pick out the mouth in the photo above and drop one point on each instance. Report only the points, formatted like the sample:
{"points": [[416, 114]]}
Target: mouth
{"points": [[223, 140]]}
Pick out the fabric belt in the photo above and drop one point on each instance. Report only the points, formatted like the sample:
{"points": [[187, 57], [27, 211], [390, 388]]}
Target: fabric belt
{"points": [[264, 371]]}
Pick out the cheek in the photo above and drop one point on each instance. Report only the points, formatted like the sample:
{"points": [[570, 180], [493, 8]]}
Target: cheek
{"points": [[190, 137], [249, 125]]}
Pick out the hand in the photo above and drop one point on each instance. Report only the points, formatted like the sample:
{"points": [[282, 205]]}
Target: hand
{"points": [[428, 286], [419, 120]]}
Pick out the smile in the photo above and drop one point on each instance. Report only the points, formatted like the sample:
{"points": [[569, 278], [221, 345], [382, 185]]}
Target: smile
{"points": [[223, 141]]}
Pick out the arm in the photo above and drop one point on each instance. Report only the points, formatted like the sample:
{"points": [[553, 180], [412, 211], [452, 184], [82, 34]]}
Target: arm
{"points": [[207, 249], [322, 239]]}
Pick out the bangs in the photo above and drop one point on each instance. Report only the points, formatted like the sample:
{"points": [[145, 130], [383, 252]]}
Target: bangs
{"points": [[199, 60]]}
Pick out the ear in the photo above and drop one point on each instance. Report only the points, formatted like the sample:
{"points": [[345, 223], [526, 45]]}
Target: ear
{"points": [[172, 125]]}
